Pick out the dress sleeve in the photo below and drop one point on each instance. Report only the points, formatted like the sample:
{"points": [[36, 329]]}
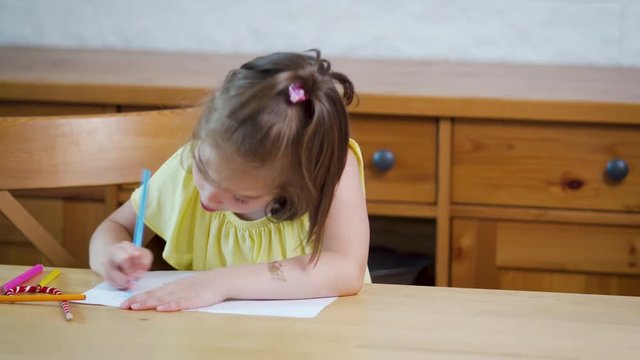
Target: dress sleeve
{"points": [[355, 148]]}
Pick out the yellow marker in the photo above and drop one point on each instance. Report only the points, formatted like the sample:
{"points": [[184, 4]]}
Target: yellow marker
{"points": [[47, 279]]}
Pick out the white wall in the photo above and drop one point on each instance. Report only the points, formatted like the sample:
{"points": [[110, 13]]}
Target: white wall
{"points": [[533, 31]]}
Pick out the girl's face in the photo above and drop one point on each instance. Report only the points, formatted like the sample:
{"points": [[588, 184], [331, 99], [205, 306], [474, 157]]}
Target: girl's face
{"points": [[225, 183]]}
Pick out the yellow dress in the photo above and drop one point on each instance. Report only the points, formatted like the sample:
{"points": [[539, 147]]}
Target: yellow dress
{"points": [[200, 240]]}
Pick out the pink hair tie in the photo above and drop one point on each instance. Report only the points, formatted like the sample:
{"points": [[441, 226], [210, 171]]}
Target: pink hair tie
{"points": [[296, 93]]}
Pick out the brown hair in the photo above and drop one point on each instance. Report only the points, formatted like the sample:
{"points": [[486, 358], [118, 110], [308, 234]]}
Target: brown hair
{"points": [[306, 142]]}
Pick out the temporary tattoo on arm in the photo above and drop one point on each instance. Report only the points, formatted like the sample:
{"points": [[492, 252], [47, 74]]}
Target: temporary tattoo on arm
{"points": [[275, 269]]}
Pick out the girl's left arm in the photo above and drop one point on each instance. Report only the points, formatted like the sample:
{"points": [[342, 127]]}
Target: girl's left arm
{"points": [[339, 271]]}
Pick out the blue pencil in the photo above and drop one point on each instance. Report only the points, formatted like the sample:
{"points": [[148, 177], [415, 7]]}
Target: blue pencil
{"points": [[139, 228]]}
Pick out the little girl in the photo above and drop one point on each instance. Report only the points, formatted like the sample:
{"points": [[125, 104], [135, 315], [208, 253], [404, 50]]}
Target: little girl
{"points": [[267, 197]]}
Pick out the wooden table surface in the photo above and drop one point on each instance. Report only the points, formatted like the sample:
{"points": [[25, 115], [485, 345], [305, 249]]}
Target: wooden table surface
{"points": [[382, 322]]}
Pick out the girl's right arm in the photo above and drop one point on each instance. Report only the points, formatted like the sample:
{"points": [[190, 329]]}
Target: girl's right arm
{"points": [[112, 254]]}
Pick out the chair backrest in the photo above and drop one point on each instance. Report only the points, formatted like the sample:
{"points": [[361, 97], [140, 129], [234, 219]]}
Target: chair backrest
{"points": [[88, 150], [82, 150]]}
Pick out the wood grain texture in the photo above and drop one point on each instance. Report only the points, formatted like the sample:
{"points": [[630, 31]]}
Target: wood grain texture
{"points": [[70, 223], [568, 282], [443, 216], [546, 214], [78, 151], [545, 165], [395, 209], [38, 202], [34, 231], [52, 152], [473, 252], [413, 143], [564, 247], [81, 219], [381, 322], [545, 257], [399, 87], [48, 212], [22, 254], [18, 108], [15, 247]]}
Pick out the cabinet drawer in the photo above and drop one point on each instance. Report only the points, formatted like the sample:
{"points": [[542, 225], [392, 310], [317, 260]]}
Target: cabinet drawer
{"points": [[546, 165], [412, 141], [573, 248], [519, 255]]}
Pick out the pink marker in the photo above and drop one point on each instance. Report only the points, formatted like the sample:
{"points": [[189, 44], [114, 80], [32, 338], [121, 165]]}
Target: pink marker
{"points": [[22, 278]]}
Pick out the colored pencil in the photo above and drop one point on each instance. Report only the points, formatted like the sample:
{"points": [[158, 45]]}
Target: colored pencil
{"points": [[43, 290], [47, 279], [25, 276], [139, 227], [64, 304], [41, 297]]}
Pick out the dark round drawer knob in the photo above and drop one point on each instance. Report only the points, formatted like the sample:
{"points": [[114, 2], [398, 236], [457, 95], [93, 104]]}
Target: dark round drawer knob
{"points": [[383, 160], [617, 169]]}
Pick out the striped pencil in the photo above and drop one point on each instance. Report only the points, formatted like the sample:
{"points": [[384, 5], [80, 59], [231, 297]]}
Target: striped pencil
{"points": [[65, 305], [46, 290]]}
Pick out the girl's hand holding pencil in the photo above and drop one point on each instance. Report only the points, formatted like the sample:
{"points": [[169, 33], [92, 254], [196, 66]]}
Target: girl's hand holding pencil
{"points": [[126, 261], [125, 264]]}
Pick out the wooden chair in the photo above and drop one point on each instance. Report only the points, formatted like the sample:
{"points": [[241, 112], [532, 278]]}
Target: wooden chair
{"points": [[81, 151]]}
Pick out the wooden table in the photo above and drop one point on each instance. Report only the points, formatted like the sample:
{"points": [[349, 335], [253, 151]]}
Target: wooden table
{"points": [[382, 322]]}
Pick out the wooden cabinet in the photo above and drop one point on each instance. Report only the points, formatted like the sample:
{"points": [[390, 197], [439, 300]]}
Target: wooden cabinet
{"points": [[545, 165], [410, 144], [542, 256], [509, 160], [502, 169]]}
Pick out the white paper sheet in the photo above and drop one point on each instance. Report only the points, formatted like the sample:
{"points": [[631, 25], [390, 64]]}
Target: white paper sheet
{"points": [[104, 294]]}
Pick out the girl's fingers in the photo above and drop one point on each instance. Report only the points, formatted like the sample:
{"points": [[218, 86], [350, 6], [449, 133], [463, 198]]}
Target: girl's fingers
{"points": [[116, 278], [147, 300], [126, 263], [179, 295], [173, 306], [132, 259], [142, 260]]}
